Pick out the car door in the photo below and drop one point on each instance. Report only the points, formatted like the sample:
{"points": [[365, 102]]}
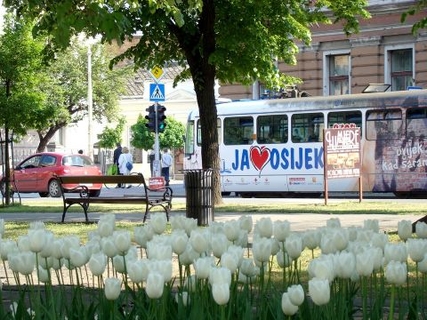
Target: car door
{"points": [[25, 174], [47, 168]]}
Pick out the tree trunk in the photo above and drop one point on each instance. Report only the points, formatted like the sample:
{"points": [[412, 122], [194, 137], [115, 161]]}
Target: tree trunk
{"points": [[44, 139], [7, 166]]}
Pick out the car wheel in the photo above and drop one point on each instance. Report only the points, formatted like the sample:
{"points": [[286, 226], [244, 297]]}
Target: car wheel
{"points": [[44, 194], [95, 193], [54, 189]]}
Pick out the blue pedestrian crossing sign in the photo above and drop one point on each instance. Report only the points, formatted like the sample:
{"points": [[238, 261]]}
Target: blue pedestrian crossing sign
{"points": [[157, 92]]}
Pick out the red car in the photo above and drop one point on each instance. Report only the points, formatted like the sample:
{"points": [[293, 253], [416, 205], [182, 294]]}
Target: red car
{"points": [[37, 173]]}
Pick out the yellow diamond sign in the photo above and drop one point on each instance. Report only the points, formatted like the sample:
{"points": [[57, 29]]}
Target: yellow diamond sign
{"points": [[156, 73]]}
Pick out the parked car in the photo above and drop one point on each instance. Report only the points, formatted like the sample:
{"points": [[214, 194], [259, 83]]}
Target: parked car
{"points": [[37, 173]]}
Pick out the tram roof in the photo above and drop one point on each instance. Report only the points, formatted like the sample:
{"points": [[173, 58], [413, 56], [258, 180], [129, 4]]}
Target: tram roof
{"points": [[362, 100]]}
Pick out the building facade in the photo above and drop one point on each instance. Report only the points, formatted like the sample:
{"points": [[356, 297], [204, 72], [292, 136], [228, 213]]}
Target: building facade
{"points": [[384, 51]]}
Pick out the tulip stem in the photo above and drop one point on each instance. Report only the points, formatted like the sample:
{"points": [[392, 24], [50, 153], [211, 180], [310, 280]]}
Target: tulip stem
{"points": [[391, 313]]}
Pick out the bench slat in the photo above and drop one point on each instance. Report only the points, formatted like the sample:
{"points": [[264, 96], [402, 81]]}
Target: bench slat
{"points": [[102, 179]]}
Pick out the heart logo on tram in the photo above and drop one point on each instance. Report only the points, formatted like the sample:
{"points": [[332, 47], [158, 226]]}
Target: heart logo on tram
{"points": [[259, 156]]}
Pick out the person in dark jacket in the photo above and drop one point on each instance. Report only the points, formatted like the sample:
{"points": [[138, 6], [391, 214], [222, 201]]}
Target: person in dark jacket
{"points": [[116, 155]]}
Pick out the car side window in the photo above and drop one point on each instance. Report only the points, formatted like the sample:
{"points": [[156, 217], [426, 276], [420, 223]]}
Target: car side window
{"points": [[48, 161], [31, 163]]}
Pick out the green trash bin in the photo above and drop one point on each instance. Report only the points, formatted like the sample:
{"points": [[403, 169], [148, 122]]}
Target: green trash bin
{"points": [[199, 195]]}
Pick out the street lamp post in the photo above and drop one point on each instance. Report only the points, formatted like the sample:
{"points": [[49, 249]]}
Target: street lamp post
{"points": [[89, 101]]}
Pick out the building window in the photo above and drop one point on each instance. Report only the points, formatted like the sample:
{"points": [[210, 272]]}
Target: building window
{"points": [[339, 74], [401, 69]]}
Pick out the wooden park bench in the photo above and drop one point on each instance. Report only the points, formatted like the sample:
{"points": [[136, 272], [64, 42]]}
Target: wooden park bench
{"points": [[158, 197]]}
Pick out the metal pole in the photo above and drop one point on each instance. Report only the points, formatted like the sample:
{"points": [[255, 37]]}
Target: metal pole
{"points": [[89, 102], [156, 166]]}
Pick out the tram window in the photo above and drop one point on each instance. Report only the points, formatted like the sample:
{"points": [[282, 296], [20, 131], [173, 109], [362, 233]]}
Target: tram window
{"points": [[272, 129], [416, 122], [345, 117], [307, 127], [383, 124], [238, 130], [199, 131], [189, 138]]}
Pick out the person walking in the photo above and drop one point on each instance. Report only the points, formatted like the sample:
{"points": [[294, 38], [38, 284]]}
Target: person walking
{"points": [[116, 155], [166, 164], [125, 164]]}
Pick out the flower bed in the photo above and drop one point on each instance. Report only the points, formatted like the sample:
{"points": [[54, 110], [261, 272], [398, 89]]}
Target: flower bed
{"points": [[230, 270]]}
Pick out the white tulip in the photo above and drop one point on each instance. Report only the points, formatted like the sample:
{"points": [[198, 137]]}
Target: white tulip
{"points": [[188, 256], [97, 263], [311, 239], [219, 275], [322, 268], [421, 229], [417, 248], [108, 246], [248, 267], [202, 267], [112, 288], [7, 246], [319, 290], [37, 238], [288, 308], [159, 251], [79, 256], [143, 235], [345, 265], [364, 263], [158, 221], [261, 250], [182, 297], [179, 241], [138, 270], [283, 259], [396, 272], [122, 241], [246, 223], [296, 294], [230, 261], [264, 227], [395, 251], [232, 230], [221, 293], [293, 246], [422, 265], [155, 285], [24, 243], [199, 241], [404, 229], [219, 244], [281, 230], [333, 223], [372, 224]]}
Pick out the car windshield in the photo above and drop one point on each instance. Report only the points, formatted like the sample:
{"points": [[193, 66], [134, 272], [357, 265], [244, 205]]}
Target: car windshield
{"points": [[76, 160]]}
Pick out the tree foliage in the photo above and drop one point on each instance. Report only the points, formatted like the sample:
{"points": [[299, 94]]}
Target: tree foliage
{"points": [[232, 41], [67, 88], [419, 6], [21, 100], [109, 137], [171, 138]]}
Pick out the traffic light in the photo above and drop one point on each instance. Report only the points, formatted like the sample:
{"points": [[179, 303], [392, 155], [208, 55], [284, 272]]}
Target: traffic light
{"points": [[161, 125], [151, 117]]}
